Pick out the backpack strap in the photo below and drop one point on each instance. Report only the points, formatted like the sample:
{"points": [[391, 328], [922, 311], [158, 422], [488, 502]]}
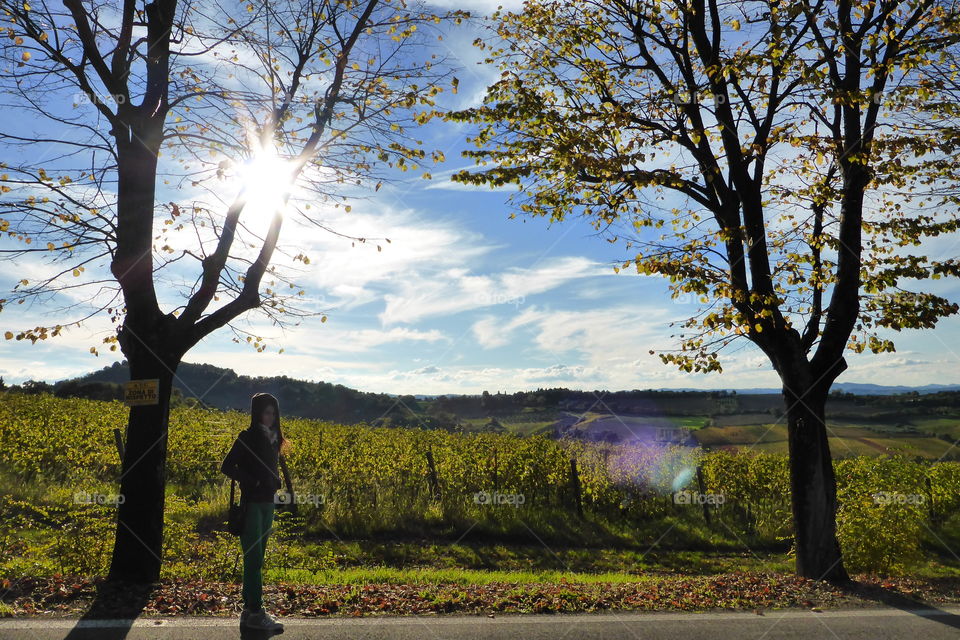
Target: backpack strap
{"points": [[286, 477]]}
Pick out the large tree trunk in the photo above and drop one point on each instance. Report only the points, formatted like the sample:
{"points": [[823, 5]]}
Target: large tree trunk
{"points": [[138, 548], [813, 485], [146, 339]]}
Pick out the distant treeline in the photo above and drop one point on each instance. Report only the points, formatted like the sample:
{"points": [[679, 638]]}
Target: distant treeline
{"points": [[222, 388], [216, 387]]}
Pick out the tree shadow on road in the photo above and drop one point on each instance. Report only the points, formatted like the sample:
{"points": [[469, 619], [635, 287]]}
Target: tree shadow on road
{"points": [[115, 608], [120, 603], [902, 601]]}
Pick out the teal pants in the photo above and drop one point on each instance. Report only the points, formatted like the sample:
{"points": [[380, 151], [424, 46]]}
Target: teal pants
{"points": [[256, 529]]}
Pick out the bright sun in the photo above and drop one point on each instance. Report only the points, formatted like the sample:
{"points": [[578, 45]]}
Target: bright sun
{"points": [[265, 179]]}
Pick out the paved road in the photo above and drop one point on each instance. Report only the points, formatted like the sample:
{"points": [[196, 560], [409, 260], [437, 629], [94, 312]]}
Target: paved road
{"points": [[878, 624]]}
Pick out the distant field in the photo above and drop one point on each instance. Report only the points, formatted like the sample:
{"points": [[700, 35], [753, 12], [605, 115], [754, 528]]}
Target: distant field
{"points": [[740, 419], [741, 435], [872, 433], [519, 425], [629, 428], [949, 426], [690, 422], [626, 427], [845, 441]]}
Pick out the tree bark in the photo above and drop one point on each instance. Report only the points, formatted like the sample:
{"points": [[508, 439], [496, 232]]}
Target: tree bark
{"points": [[138, 548], [149, 342], [813, 485]]}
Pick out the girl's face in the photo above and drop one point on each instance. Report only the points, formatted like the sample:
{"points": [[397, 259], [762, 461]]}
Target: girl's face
{"points": [[269, 416]]}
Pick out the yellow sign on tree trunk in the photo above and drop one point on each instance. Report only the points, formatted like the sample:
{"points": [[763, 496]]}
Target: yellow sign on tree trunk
{"points": [[139, 392]]}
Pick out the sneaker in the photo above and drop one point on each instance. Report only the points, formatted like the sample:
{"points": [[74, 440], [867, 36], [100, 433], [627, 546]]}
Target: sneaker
{"points": [[261, 620], [244, 616]]}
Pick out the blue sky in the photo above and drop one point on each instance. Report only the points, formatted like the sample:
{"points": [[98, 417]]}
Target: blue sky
{"points": [[465, 299]]}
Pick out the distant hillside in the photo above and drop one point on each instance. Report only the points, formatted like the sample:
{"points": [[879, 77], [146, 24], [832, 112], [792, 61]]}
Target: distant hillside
{"points": [[883, 390], [867, 389], [543, 410], [224, 389]]}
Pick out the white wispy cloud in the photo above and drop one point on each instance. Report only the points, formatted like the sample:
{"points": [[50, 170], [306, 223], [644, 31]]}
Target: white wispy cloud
{"points": [[459, 289], [345, 275]]}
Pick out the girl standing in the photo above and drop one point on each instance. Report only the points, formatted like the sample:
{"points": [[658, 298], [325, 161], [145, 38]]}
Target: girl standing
{"points": [[253, 462]]}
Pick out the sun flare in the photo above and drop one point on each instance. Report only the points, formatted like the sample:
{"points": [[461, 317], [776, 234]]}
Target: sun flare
{"points": [[265, 180]]}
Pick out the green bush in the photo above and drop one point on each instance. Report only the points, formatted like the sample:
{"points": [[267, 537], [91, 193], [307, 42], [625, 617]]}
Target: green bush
{"points": [[883, 505]]}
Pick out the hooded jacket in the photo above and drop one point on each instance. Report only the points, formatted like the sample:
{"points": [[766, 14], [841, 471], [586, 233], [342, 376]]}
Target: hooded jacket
{"points": [[253, 461]]}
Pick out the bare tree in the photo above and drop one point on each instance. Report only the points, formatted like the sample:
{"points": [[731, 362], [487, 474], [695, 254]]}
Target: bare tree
{"points": [[111, 108]]}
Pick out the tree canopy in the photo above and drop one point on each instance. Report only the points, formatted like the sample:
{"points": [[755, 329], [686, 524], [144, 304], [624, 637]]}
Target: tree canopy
{"points": [[720, 141], [788, 163], [311, 101]]}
